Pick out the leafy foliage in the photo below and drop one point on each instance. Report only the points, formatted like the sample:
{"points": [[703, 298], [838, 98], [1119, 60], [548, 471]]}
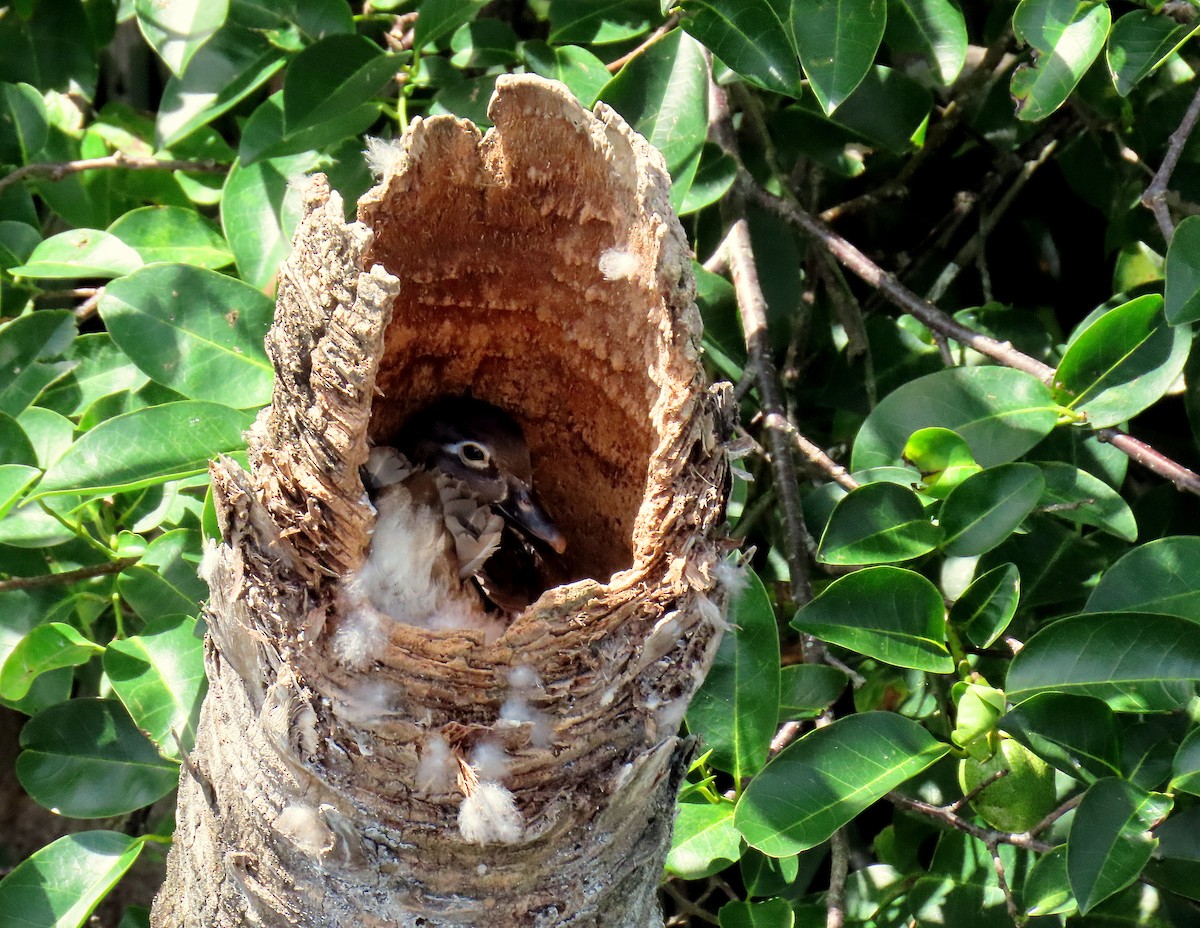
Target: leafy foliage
{"points": [[990, 579]]}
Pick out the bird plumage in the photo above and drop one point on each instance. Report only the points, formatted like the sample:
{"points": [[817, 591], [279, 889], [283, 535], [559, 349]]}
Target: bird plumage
{"points": [[459, 534]]}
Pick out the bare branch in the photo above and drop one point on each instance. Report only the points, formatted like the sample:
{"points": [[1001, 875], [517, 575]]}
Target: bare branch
{"points": [[58, 170], [988, 836], [1154, 197], [839, 868], [671, 22], [67, 576]]}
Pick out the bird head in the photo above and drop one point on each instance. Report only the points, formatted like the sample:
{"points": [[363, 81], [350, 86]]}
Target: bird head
{"points": [[482, 446]]}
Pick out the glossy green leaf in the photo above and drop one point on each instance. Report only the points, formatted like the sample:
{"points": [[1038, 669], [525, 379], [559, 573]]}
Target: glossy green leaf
{"points": [[259, 212], [159, 676], [23, 123], [1185, 770], [888, 613], [178, 28], [171, 233], [60, 885], [753, 37], [1110, 840], [1076, 496], [663, 93], [1077, 734], [771, 913], [49, 433], [44, 648], [487, 43], [1047, 889], [1066, 36], [146, 447], [99, 369], [21, 612], [821, 782], [714, 178], [600, 22], [933, 29], [584, 74], [80, 253], [943, 458], [1182, 294], [1135, 662], [1159, 577], [1140, 41], [987, 507], [193, 330], [876, 524], [24, 343], [1001, 413], [39, 52], [14, 480], [736, 709], [806, 690], [164, 582], [705, 841], [836, 41], [335, 76], [86, 759], [988, 605], [15, 446], [1123, 362], [227, 69]]}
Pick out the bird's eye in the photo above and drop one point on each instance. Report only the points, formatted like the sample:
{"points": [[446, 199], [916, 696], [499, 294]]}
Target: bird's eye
{"points": [[473, 454]]}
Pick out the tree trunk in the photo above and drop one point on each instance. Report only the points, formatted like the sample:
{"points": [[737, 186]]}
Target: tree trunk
{"points": [[341, 767]]}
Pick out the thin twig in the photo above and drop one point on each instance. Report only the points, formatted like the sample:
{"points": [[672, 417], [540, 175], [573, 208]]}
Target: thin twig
{"points": [[1009, 902], [67, 576], [1055, 815], [839, 869], [1155, 195], [753, 307], [937, 321], [959, 804], [686, 906], [671, 22], [60, 169], [988, 836]]}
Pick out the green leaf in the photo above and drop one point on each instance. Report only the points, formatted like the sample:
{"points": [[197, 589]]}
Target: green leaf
{"points": [[1135, 662], [600, 22], [24, 342], [85, 759], [1185, 769], [1076, 496], [713, 179], [819, 783], [14, 480], [193, 330], [1047, 890], [933, 29], [336, 76], [488, 43], [584, 74], [1077, 734], [986, 508], [159, 676], [888, 613], [60, 885], [80, 253], [875, 524], [50, 46], [147, 446], [100, 369], [1123, 362], [438, 19], [705, 841], [171, 233], [988, 605], [1110, 840], [15, 446], [752, 37], [226, 70], [836, 41], [164, 583], [663, 93], [1140, 41], [260, 209], [943, 458], [805, 690], [1001, 413], [176, 29], [1182, 294], [736, 709], [1158, 577], [23, 123], [1066, 36], [772, 913], [46, 647]]}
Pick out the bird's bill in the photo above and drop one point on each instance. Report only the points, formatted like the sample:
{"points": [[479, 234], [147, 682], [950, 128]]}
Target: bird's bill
{"points": [[524, 511]]}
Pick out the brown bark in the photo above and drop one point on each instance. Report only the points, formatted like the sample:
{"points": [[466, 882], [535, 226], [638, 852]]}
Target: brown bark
{"points": [[539, 267]]}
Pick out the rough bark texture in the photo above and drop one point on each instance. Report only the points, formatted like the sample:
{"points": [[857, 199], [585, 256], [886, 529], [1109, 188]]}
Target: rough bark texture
{"points": [[539, 267]]}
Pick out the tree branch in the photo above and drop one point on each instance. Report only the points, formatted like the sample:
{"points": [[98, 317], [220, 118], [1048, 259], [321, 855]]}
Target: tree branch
{"points": [[67, 576], [59, 170], [671, 22], [988, 836], [1154, 197]]}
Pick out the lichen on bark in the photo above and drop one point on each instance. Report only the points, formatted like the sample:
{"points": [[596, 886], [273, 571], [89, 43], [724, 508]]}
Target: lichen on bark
{"points": [[539, 267]]}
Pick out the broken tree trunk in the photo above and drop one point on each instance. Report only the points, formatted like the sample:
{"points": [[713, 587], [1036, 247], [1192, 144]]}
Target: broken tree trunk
{"points": [[538, 267]]}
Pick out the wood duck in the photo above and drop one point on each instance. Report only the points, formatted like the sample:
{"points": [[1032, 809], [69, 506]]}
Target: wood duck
{"points": [[460, 537]]}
